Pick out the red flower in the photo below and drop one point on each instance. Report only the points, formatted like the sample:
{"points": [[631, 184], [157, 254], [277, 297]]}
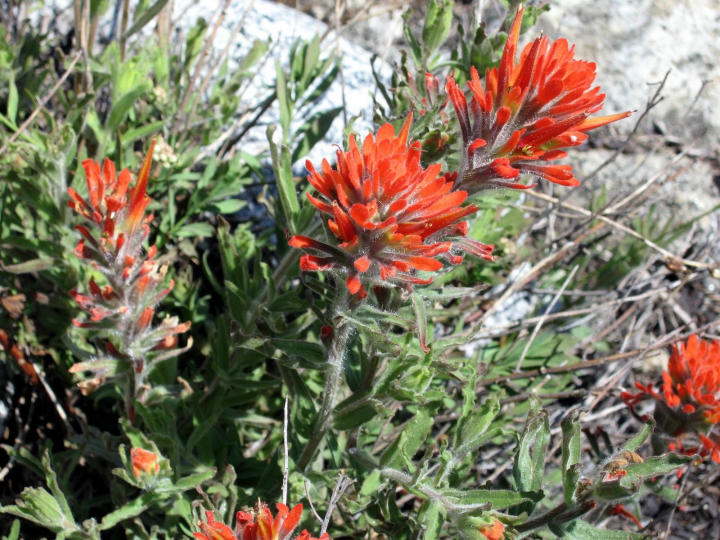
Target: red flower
{"points": [[214, 530], [494, 531], [257, 525], [389, 216], [112, 242], [690, 397], [525, 113], [144, 461], [692, 381]]}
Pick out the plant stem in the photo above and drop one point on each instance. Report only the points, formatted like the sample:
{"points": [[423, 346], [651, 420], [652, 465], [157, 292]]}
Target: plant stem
{"points": [[333, 378]]}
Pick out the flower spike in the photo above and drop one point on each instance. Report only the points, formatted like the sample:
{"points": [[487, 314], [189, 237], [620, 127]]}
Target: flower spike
{"points": [[116, 225], [389, 216], [526, 110]]}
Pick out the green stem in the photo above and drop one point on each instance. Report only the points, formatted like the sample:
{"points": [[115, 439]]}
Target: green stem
{"points": [[333, 379]]}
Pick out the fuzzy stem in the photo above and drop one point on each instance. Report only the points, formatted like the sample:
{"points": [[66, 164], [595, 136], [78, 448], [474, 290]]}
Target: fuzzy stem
{"points": [[333, 379]]}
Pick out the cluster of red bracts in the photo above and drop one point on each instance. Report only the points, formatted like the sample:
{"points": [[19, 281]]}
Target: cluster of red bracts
{"points": [[112, 242], [689, 403], [259, 524], [390, 216], [526, 111]]}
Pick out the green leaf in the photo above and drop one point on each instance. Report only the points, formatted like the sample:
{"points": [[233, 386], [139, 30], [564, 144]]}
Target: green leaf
{"points": [[144, 18], [122, 106], [312, 131], [570, 453], [14, 533], [420, 320], [284, 103], [38, 506], [196, 230], [634, 443], [654, 466], [431, 516], [472, 428], [611, 491], [228, 206], [130, 510], [257, 51], [492, 498], [284, 179], [415, 49], [27, 267], [354, 417], [131, 135], [409, 442], [437, 25], [529, 465], [12, 100], [582, 530]]}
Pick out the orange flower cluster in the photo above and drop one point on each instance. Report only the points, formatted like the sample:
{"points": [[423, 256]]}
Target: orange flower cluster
{"points": [[144, 462], [495, 531], [690, 393], [112, 238], [525, 113], [389, 216], [258, 525]]}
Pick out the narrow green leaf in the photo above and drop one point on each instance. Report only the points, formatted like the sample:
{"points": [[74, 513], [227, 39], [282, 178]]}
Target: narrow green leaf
{"points": [[582, 530], [257, 51], [284, 179], [130, 510], [570, 453], [431, 517], [144, 18], [415, 49], [229, 206], [121, 107], [495, 498], [284, 103], [27, 267], [409, 441], [313, 131], [196, 230], [634, 443], [141, 132], [354, 417], [529, 463], [12, 100], [654, 466], [14, 533], [472, 428], [420, 320], [437, 25]]}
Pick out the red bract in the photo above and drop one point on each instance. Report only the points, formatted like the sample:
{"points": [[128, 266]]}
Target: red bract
{"points": [[257, 525], [144, 461], [527, 110], [389, 216], [124, 304], [692, 380], [690, 398], [495, 531]]}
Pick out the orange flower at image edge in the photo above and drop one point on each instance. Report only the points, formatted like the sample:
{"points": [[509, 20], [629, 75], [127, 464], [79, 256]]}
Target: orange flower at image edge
{"points": [[257, 525], [144, 461], [525, 112], [496, 531], [690, 394], [389, 216]]}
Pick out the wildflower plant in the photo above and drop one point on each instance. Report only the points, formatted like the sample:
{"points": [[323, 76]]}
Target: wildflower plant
{"points": [[356, 347], [133, 281]]}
